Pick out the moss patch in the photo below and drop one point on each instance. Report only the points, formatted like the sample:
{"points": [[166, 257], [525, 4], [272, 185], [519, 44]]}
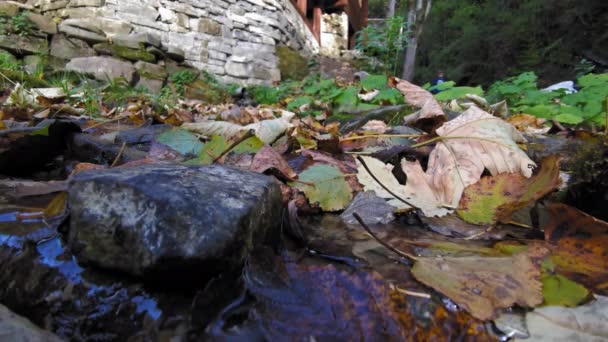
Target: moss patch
{"points": [[125, 52], [291, 64]]}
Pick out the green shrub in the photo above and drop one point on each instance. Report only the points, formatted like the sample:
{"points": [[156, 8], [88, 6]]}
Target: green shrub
{"points": [[384, 42]]}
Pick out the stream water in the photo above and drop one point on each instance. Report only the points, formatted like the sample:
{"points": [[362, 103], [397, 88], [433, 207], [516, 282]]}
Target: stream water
{"points": [[339, 284]]}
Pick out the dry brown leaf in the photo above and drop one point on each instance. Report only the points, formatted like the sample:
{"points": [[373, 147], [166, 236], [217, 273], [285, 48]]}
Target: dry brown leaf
{"points": [[375, 126], [267, 130], [430, 115], [482, 285], [417, 191], [267, 158], [469, 144], [472, 142]]}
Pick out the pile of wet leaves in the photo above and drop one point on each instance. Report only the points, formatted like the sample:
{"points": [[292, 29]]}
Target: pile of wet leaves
{"points": [[447, 225]]}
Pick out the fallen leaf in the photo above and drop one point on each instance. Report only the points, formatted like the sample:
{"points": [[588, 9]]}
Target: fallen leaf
{"points": [[330, 189], [583, 323], [417, 190], [375, 126], [370, 207], [267, 158], [19, 189], [452, 225], [267, 130], [181, 141], [470, 143], [366, 97], [210, 151], [345, 162], [528, 123], [483, 285], [579, 246], [495, 198], [419, 97], [57, 207]]}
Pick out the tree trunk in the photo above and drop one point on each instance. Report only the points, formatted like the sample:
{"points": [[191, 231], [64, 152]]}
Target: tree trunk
{"points": [[418, 11], [410, 59], [390, 8]]}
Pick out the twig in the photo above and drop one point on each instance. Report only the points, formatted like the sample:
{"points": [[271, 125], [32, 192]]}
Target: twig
{"points": [[391, 248], [475, 236], [118, 118], [411, 293], [358, 137], [122, 148], [250, 133], [382, 185]]}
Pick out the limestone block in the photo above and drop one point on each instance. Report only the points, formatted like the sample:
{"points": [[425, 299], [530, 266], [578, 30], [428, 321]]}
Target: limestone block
{"points": [[209, 26], [102, 67], [86, 3], [68, 48], [151, 71], [44, 23], [24, 45]]}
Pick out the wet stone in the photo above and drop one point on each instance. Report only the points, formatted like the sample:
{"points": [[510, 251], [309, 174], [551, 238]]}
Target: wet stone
{"points": [[187, 222]]}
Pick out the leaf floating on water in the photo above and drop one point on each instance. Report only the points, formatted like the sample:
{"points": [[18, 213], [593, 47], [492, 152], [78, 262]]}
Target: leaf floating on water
{"points": [[579, 246], [482, 285], [495, 198], [556, 323], [57, 207], [330, 189]]}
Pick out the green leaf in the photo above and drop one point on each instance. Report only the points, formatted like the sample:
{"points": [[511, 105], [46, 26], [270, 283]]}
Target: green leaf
{"points": [[593, 80], [330, 189], [44, 131], [250, 145], [298, 102], [181, 141], [568, 118], [443, 86], [379, 82], [388, 96], [559, 290], [457, 93], [211, 150]]}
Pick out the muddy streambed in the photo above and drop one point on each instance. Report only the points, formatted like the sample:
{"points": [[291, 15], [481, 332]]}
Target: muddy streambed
{"points": [[339, 284]]}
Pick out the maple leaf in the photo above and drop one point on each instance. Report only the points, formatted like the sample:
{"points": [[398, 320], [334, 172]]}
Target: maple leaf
{"points": [[467, 145], [470, 143]]}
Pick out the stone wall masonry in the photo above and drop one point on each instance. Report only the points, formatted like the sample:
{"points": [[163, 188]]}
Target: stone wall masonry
{"points": [[235, 40]]}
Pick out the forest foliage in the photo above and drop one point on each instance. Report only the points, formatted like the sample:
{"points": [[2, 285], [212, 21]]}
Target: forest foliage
{"points": [[477, 42]]}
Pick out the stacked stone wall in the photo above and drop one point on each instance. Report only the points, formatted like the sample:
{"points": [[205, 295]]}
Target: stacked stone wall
{"points": [[234, 40]]}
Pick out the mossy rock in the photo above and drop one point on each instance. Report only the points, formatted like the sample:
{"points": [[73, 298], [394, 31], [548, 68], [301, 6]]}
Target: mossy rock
{"points": [[292, 65], [206, 92], [22, 77], [125, 52]]}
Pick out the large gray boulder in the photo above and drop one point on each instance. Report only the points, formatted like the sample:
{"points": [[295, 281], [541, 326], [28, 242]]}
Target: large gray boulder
{"points": [[167, 219]]}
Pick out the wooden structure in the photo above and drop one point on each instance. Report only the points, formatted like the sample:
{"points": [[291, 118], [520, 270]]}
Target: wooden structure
{"points": [[311, 11]]}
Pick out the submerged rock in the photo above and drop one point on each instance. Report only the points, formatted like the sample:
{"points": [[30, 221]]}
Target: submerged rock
{"points": [[16, 328], [185, 221]]}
